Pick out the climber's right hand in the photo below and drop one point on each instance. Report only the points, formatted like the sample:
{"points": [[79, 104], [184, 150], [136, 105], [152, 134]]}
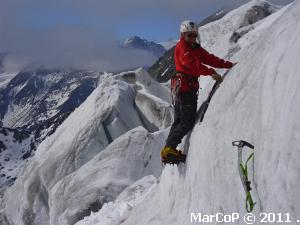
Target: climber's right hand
{"points": [[217, 77]]}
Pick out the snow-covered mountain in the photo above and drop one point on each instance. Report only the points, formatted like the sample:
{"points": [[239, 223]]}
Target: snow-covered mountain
{"points": [[105, 155], [16, 146], [169, 43], [41, 99], [32, 97], [135, 42]]}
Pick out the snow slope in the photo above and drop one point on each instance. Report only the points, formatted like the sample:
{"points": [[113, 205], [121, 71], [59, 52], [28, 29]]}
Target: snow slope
{"points": [[238, 30], [115, 212], [258, 102], [219, 36]]}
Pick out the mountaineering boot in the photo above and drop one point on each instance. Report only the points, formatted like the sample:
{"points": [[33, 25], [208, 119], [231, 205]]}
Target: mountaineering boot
{"points": [[172, 156]]}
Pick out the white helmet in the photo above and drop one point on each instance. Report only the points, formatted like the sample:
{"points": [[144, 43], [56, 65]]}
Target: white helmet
{"points": [[188, 26]]}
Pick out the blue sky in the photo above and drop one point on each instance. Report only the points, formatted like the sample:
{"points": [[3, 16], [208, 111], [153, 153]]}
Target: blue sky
{"points": [[162, 25], [51, 29], [152, 19]]}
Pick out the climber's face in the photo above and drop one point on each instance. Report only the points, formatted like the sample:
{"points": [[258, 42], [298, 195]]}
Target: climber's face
{"points": [[190, 37]]}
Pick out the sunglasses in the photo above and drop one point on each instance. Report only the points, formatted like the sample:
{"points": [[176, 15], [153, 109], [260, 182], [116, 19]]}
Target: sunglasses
{"points": [[192, 35]]}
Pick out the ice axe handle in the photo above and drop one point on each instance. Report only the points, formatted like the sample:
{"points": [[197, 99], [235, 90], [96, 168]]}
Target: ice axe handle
{"points": [[242, 143]]}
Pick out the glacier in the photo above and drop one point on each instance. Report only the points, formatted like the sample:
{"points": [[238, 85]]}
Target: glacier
{"points": [[108, 131], [257, 102], [102, 166]]}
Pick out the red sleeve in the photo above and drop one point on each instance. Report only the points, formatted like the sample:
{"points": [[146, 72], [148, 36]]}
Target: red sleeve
{"points": [[212, 60], [189, 62]]}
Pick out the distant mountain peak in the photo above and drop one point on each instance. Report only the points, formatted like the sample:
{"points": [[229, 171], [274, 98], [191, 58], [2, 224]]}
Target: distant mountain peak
{"points": [[133, 39], [136, 42]]}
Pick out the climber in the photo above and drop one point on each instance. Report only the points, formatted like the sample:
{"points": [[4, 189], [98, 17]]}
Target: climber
{"points": [[189, 58]]}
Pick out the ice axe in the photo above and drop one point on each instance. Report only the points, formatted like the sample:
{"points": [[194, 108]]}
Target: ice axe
{"points": [[243, 171]]}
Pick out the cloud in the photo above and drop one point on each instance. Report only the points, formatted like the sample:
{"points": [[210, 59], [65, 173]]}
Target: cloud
{"points": [[72, 47], [64, 46], [83, 34], [80, 37]]}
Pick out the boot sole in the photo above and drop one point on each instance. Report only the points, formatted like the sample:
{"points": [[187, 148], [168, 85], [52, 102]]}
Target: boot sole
{"points": [[171, 159]]}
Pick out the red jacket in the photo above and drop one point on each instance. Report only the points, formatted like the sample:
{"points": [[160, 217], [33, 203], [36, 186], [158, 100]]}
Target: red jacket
{"points": [[189, 61]]}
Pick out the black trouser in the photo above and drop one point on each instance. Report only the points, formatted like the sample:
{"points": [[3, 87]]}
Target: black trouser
{"points": [[184, 118]]}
